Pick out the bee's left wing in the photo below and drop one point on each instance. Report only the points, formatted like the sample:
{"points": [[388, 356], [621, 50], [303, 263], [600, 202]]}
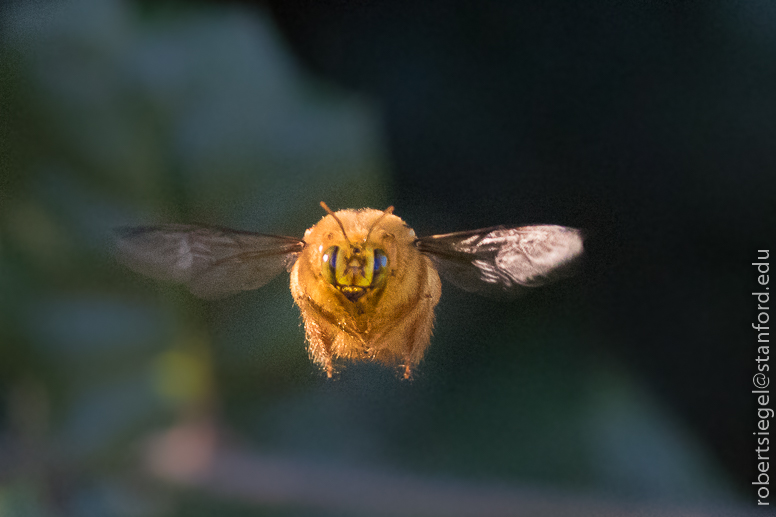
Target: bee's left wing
{"points": [[212, 262], [504, 260]]}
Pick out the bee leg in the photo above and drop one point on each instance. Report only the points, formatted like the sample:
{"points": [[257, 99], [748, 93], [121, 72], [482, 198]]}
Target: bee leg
{"points": [[417, 334], [328, 366], [319, 346], [409, 353]]}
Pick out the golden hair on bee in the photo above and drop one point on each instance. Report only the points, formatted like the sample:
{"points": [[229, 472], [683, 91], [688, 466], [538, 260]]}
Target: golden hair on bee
{"points": [[366, 286], [365, 293]]}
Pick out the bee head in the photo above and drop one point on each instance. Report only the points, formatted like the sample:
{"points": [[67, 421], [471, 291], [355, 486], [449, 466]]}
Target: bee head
{"points": [[354, 269]]}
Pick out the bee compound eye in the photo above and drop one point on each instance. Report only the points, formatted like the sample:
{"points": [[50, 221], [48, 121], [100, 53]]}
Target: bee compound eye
{"points": [[380, 266], [381, 260], [329, 264]]}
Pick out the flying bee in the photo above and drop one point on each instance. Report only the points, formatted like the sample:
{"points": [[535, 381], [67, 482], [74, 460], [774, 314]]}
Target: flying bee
{"points": [[365, 285]]}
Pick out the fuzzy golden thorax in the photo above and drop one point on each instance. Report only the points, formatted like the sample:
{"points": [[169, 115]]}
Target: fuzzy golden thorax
{"points": [[364, 290]]}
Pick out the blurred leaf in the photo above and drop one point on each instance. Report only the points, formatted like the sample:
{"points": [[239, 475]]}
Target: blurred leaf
{"points": [[199, 115]]}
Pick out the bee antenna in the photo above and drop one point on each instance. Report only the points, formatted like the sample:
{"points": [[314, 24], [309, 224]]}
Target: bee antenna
{"points": [[328, 210], [387, 211]]}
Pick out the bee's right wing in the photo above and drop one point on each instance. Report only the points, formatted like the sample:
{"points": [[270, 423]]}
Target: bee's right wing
{"points": [[212, 262], [502, 260]]}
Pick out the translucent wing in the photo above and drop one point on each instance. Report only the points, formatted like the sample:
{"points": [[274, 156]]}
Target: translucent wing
{"points": [[212, 262], [503, 260]]}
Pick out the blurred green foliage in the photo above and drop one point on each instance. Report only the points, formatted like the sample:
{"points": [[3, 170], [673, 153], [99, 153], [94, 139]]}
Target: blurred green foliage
{"points": [[110, 117], [113, 115]]}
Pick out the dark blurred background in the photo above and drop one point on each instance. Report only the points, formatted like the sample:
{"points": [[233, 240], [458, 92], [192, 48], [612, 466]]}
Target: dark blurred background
{"points": [[651, 125]]}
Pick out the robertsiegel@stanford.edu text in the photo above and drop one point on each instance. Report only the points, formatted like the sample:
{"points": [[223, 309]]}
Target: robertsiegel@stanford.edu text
{"points": [[761, 379]]}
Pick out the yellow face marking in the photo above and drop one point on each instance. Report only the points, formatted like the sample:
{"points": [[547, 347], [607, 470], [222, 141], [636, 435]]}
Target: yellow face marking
{"points": [[355, 267]]}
